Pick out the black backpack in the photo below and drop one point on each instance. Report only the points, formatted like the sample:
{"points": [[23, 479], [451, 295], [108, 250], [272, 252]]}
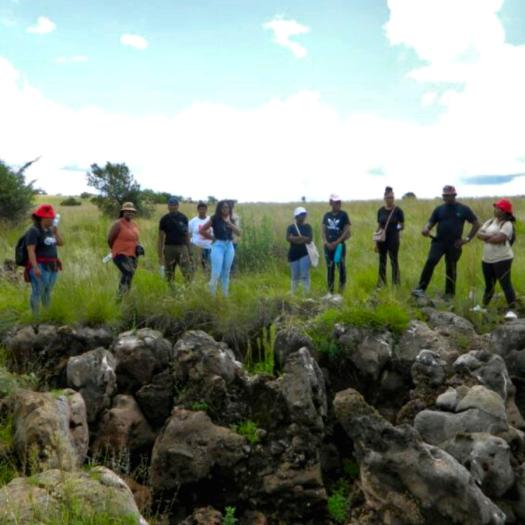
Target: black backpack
{"points": [[512, 240], [21, 256]]}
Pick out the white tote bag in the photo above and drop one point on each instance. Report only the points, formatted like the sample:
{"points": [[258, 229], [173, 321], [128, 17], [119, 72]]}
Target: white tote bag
{"points": [[311, 248]]}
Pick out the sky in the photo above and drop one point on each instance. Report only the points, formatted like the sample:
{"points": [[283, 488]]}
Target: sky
{"points": [[267, 101]]}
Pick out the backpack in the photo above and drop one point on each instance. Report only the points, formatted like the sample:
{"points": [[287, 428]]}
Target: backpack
{"points": [[512, 239], [21, 256]]}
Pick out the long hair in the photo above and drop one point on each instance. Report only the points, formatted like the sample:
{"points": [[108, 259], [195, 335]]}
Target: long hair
{"points": [[218, 210]]}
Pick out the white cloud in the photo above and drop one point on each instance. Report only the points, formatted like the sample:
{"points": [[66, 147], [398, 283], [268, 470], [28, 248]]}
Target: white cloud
{"points": [[429, 98], [43, 26], [299, 145], [136, 41], [71, 59], [283, 30]]}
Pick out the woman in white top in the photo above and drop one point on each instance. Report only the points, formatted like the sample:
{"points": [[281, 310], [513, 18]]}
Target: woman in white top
{"points": [[498, 236]]}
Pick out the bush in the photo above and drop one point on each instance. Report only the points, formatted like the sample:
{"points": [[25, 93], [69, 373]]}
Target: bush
{"points": [[86, 195], [70, 201], [116, 185], [248, 429], [16, 197]]}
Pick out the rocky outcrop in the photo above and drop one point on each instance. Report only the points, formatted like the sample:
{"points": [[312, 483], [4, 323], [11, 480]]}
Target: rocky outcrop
{"points": [[140, 356], [93, 375], [54, 496], [123, 428], [407, 480], [190, 447], [50, 430]]}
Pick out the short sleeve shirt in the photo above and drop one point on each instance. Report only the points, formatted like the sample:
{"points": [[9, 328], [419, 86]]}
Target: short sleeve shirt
{"points": [[398, 217], [334, 224], [175, 226], [196, 237], [450, 219], [44, 241], [298, 251], [493, 253]]}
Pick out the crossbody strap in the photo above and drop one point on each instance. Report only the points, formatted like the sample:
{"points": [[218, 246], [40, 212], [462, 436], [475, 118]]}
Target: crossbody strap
{"points": [[389, 217]]}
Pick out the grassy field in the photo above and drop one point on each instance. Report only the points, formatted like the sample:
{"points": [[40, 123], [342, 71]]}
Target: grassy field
{"points": [[86, 290]]}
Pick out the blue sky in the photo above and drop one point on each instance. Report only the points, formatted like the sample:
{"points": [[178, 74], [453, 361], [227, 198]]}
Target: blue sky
{"points": [[357, 72]]}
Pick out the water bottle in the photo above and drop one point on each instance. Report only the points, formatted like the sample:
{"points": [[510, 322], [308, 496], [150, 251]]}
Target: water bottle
{"points": [[338, 253], [56, 220], [162, 270], [107, 258]]}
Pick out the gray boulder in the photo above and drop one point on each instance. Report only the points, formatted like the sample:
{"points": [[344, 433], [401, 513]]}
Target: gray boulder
{"points": [[93, 375], [288, 340], [487, 457], [50, 430], [156, 398], [55, 496], [140, 355], [190, 447], [406, 480], [451, 325], [428, 369], [372, 354]]}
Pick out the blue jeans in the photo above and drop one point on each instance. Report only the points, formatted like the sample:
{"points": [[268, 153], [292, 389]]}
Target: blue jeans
{"points": [[41, 288], [301, 273], [222, 255]]}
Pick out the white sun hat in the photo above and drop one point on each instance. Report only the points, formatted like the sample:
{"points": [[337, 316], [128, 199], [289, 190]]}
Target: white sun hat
{"points": [[299, 211]]}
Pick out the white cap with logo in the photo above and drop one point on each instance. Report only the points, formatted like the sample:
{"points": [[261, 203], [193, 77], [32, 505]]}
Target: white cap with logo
{"points": [[299, 211]]}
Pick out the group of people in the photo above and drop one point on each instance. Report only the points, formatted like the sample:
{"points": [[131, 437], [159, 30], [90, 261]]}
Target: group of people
{"points": [[211, 241]]}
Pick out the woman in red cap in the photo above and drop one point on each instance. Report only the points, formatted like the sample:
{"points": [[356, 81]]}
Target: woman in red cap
{"points": [[498, 237], [41, 241]]}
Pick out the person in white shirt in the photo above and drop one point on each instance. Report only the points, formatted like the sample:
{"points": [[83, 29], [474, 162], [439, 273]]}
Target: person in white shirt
{"points": [[498, 235], [201, 243]]}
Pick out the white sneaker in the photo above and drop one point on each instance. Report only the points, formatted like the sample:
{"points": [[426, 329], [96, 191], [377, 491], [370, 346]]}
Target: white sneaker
{"points": [[510, 316], [478, 308]]}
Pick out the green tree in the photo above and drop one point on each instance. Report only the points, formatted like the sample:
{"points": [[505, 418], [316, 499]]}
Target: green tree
{"points": [[212, 199], [116, 185], [16, 196]]}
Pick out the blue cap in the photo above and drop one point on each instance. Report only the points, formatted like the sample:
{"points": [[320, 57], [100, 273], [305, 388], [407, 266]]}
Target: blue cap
{"points": [[172, 201]]}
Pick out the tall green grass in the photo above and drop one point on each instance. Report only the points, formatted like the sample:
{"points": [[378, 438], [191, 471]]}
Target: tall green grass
{"points": [[86, 290]]}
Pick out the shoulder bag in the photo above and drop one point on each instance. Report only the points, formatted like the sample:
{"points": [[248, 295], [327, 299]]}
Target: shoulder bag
{"points": [[380, 234], [311, 248]]}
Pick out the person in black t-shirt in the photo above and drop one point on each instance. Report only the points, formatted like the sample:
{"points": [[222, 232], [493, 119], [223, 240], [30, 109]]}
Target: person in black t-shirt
{"points": [[450, 218], [174, 242], [335, 230], [41, 241], [299, 235], [391, 219]]}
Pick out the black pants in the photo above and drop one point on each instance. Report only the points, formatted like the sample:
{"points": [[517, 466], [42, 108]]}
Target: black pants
{"points": [[452, 255], [494, 272], [127, 266], [330, 265], [388, 248]]}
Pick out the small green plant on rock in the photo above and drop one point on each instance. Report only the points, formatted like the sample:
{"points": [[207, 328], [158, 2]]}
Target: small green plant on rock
{"points": [[199, 405], [338, 503], [229, 516], [248, 429]]}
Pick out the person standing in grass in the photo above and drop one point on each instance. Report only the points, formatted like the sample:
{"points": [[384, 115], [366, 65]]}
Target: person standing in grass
{"points": [[123, 239], [390, 220], [450, 218], [222, 251], [201, 245], [174, 242], [335, 231], [43, 264], [498, 236], [236, 238], [299, 234]]}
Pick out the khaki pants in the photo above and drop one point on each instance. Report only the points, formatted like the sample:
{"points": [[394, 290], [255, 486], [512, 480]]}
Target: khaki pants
{"points": [[201, 257], [177, 255]]}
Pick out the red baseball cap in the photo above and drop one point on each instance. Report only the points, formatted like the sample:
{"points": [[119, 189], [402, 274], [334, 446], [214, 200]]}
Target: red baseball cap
{"points": [[504, 205], [45, 211], [449, 190]]}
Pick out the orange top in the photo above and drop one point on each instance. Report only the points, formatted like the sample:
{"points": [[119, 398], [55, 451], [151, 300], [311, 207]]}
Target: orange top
{"points": [[127, 239]]}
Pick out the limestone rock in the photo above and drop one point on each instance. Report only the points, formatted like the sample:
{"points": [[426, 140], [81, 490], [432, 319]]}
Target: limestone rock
{"points": [[51, 430], [44, 498], [93, 375]]}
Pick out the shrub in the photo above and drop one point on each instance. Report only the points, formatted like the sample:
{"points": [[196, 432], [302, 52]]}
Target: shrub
{"points": [[16, 197], [338, 503], [248, 429], [70, 201], [116, 185]]}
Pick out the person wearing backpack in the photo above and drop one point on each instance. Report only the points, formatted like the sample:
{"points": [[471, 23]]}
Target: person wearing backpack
{"points": [[390, 221], [42, 263], [498, 236], [299, 234]]}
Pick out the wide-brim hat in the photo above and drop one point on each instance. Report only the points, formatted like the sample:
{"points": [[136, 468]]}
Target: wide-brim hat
{"points": [[128, 206], [504, 205], [45, 211]]}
